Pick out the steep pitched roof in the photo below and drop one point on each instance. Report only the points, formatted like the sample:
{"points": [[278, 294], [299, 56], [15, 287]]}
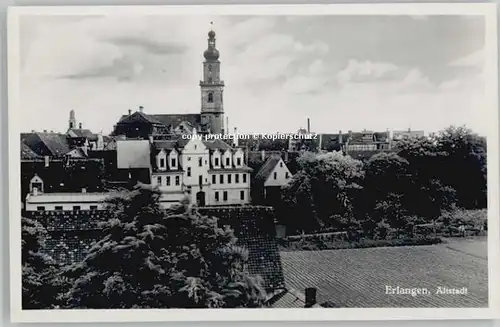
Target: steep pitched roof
{"points": [[139, 116], [176, 119], [46, 144], [216, 144], [75, 132], [267, 168], [27, 153]]}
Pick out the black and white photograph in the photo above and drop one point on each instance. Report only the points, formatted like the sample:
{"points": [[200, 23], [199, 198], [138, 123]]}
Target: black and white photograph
{"points": [[327, 162]]}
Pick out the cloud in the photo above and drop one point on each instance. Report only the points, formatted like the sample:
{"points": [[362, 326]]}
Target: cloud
{"points": [[365, 71], [123, 69], [473, 60], [149, 46], [278, 70]]}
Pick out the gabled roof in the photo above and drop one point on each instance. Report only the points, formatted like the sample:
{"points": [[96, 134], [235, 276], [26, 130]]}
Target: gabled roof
{"points": [[46, 144], [267, 168], [217, 144], [176, 119], [75, 132], [27, 153], [139, 117]]}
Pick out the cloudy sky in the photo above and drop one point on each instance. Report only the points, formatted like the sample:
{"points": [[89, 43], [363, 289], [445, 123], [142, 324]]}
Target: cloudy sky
{"points": [[344, 72]]}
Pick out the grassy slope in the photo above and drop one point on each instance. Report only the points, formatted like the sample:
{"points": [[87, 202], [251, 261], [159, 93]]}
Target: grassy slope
{"points": [[357, 277]]}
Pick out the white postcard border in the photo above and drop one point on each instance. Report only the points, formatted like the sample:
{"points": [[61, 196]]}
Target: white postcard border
{"points": [[488, 10]]}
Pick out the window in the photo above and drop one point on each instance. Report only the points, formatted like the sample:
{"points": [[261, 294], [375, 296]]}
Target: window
{"points": [[177, 180], [200, 162], [210, 97], [58, 208], [242, 195], [209, 68], [209, 79], [238, 161], [173, 162], [93, 207], [189, 159], [216, 161], [228, 161], [158, 180], [162, 163], [189, 172], [244, 178], [214, 179], [200, 179], [216, 196], [41, 208], [287, 175], [236, 178], [229, 178], [168, 180], [225, 196], [76, 208], [221, 179], [281, 164], [275, 175]]}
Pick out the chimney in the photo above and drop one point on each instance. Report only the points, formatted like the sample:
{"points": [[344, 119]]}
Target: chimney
{"points": [[340, 137], [263, 155], [47, 160], [308, 125], [84, 190], [34, 191], [80, 125], [141, 109], [129, 112], [151, 139], [310, 297]]}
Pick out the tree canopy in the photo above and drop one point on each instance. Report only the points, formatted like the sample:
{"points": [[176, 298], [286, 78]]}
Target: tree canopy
{"points": [[149, 258]]}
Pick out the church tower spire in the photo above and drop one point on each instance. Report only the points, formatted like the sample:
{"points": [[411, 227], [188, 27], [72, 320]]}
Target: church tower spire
{"points": [[212, 87]]}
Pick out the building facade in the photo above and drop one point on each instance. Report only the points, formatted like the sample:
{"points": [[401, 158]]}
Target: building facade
{"points": [[211, 172]]}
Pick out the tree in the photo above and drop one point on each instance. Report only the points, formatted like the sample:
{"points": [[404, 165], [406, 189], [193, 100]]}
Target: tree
{"points": [[149, 258], [466, 169], [41, 283], [324, 187]]}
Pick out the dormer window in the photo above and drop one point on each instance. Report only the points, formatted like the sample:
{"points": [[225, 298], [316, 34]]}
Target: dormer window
{"points": [[238, 161], [228, 162], [216, 162], [162, 163], [173, 163], [36, 184]]}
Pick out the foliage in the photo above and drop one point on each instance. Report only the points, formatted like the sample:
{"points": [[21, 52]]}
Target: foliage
{"points": [[322, 188], [41, 283], [334, 244], [415, 184], [152, 259]]}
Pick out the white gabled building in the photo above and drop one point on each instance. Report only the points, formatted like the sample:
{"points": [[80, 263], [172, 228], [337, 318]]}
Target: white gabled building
{"points": [[212, 172]]}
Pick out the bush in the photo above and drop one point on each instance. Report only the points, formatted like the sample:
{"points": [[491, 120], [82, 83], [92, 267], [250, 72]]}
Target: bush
{"points": [[319, 244]]}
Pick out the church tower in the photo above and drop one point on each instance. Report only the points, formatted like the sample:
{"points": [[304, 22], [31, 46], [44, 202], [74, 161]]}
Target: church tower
{"points": [[72, 119], [211, 87]]}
